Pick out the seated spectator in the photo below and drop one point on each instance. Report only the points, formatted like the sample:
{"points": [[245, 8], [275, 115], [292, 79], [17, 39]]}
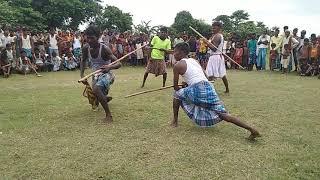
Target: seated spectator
{"points": [[39, 60], [24, 64], [56, 61], [5, 65], [70, 62]]}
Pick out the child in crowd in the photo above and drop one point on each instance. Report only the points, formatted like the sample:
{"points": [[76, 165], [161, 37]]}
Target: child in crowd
{"points": [[70, 62], [304, 56], [286, 53], [39, 60], [24, 64], [245, 55], [273, 57], [5, 61], [56, 61], [314, 55], [238, 55], [202, 53]]}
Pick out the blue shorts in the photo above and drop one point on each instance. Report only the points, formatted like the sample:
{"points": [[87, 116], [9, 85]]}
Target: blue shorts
{"points": [[28, 52], [104, 81]]}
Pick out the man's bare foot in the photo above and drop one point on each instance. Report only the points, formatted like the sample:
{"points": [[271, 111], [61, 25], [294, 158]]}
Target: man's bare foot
{"points": [[174, 124], [254, 134], [109, 98], [227, 91], [108, 119]]}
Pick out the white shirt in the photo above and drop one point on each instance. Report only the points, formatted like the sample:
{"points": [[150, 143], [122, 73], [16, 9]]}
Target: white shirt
{"points": [[194, 72], [2, 40], [220, 46], [262, 39], [8, 40], [177, 41], [294, 42], [76, 43], [53, 42], [26, 42]]}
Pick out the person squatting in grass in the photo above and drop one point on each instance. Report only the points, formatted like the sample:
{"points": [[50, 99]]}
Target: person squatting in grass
{"points": [[199, 98], [100, 57]]}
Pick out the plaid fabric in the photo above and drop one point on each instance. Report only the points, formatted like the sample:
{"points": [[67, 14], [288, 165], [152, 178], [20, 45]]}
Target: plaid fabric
{"points": [[77, 52], [201, 103], [104, 81], [156, 67]]}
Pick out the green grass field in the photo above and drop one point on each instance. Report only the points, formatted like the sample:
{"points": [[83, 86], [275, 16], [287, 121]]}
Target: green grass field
{"points": [[48, 131]]}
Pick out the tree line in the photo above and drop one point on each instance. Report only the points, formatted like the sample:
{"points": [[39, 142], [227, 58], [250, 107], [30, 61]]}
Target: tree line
{"points": [[39, 15]]}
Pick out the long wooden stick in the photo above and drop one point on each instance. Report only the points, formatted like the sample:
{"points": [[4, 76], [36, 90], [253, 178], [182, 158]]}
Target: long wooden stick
{"points": [[7, 65], [216, 47], [114, 62], [153, 90]]}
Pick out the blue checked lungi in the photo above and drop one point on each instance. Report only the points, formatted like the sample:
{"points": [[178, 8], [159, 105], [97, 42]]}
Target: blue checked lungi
{"points": [[77, 52], [104, 81], [201, 103], [28, 52]]}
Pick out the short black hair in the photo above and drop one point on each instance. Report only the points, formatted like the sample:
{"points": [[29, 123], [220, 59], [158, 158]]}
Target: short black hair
{"points": [[217, 23], [184, 47], [306, 40], [8, 45], [273, 45], [163, 29], [285, 27], [93, 30]]}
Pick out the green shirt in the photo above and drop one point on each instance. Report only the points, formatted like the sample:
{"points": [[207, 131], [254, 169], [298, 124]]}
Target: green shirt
{"points": [[159, 44]]}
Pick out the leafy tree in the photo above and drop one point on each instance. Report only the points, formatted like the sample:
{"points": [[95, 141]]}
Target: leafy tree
{"points": [[8, 15], [113, 18], [20, 13], [227, 22], [146, 28], [67, 13], [182, 22], [184, 19], [239, 16]]}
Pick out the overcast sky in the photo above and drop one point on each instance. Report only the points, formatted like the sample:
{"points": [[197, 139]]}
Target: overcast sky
{"points": [[303, 14]]}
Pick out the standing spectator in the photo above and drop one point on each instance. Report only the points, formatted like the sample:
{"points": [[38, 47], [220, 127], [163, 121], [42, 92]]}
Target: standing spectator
{"points": [[292, 43], [304, 55], [295, 50], [263, 43], [53, 43], [252, 46], [277, 40], [238, 55], [178, 40], [245, 55], [314, 54], [203, 48], [138, 44], [26, 43], [286, 52], [76, 46], [193, 47], [273, 57]]}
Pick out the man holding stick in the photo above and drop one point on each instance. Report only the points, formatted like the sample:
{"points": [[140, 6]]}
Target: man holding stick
{"points": [[199, 99], [216, 67], [157, 65], [100, 56]]}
